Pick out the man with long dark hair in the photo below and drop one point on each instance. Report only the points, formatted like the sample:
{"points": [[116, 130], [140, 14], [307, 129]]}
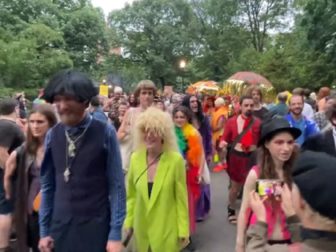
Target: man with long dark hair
{"points": [[82, 183], [259, 110]]}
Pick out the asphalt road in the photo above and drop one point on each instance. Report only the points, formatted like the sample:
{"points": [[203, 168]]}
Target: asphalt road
{"points": [[216, 234]]}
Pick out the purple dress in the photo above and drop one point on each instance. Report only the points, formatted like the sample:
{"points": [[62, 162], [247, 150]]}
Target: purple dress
{"points": [[204, 203]]}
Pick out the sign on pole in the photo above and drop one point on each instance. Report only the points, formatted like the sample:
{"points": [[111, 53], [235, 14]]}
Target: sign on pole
{"points": [[103, 90]]}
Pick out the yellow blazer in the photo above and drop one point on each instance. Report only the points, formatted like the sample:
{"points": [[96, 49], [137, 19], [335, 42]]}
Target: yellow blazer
{"points": [[158, 221]]}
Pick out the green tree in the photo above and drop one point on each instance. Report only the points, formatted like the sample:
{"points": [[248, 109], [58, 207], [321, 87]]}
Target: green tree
{"points": [[290, 63], [262, 16], [220, 39], [319, 21], [129, 71], [30, 60], [248, 60], [85, 37], [40, 37], [156, 34]]}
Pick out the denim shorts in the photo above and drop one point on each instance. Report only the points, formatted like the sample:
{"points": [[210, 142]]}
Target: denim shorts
{"points": [[6, 206]]}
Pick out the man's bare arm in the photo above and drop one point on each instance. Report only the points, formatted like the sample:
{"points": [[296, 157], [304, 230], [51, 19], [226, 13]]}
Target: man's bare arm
{"points": [[3, 156]]}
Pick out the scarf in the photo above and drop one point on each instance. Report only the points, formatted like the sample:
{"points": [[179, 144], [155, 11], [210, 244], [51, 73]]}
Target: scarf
{"points": [[190, 144], [181, 141], [247, 139]]}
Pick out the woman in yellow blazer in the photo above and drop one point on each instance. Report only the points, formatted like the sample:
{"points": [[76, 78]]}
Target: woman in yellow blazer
{"points": [[157, 202]]}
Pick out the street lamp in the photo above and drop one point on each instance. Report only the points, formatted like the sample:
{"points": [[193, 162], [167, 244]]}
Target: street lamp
{"points": [[183, 65]]}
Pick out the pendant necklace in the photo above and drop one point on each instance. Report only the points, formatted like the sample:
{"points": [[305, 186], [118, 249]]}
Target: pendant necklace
{"points": [[70, 152]]}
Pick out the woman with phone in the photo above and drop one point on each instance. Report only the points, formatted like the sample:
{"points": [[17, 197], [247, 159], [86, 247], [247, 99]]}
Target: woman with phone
{"points": [[157, 201], [277, 152]]}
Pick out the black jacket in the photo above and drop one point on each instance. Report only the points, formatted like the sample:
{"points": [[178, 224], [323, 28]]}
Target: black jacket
{"points": [[323, 142]]}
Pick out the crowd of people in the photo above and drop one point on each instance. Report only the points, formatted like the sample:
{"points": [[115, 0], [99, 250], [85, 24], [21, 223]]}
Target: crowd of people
{"points": [[83, 172]]}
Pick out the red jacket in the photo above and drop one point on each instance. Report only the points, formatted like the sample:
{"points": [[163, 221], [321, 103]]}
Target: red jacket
{"points": [[231, 130]]}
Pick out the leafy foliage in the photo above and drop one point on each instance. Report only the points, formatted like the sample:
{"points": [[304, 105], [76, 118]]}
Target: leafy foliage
{"points": [[291, 42], [156, 34], [260, 16], [40, 37]]}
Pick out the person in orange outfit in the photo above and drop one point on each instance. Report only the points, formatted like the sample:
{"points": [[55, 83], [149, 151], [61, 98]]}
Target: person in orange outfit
{"points": [[209, 106], [217, 125]]}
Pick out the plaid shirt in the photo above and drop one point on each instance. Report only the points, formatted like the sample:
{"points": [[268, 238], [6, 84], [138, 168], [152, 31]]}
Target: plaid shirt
{"points": [[321, 120]]}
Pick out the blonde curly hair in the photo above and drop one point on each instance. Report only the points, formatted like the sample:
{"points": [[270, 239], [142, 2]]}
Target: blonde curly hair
{"points": [[158, 122]]}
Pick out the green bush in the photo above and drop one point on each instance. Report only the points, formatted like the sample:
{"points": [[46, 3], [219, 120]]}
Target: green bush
{"points": [[30, 94], [6, 92]]}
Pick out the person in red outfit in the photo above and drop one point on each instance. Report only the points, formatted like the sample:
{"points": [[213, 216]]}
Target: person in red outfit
{"points": [[240, 138]]}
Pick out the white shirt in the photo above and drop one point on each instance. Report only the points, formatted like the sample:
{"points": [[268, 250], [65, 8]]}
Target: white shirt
{"points": [[308, 111]]}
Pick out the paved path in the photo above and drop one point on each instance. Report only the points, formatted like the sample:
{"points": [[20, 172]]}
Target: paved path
{"points": [[216, 234]]}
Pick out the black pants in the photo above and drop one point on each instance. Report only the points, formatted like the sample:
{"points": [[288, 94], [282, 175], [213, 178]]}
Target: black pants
{"points": [[33, 235], [81, 235]]}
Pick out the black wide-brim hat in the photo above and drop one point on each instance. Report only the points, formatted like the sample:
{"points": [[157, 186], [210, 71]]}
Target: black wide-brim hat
{"points": [[274, 126]]}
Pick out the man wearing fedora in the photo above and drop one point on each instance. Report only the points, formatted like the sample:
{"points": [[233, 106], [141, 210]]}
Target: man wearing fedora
{"points": [[311, 201], [82, 183], [240, 138], [326, 140]]}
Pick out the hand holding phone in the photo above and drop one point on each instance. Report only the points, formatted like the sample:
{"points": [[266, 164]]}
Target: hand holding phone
{"points": [[269, 187], [128, 237], [257, 206], [287, 203]]}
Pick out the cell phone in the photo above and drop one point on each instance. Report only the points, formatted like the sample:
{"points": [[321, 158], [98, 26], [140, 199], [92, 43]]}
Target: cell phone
{"points": [[127, 239], [269, 187]]}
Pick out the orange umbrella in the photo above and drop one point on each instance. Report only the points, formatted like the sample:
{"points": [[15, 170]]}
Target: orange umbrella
{"points": [[251, 78], [202, 86]]}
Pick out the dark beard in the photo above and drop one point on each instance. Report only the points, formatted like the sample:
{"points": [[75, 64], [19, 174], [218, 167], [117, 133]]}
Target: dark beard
{"points": [[248, 114], [297, 114]]}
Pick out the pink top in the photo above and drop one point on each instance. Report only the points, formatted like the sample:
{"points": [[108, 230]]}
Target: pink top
{"points": [[273, 210]]}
